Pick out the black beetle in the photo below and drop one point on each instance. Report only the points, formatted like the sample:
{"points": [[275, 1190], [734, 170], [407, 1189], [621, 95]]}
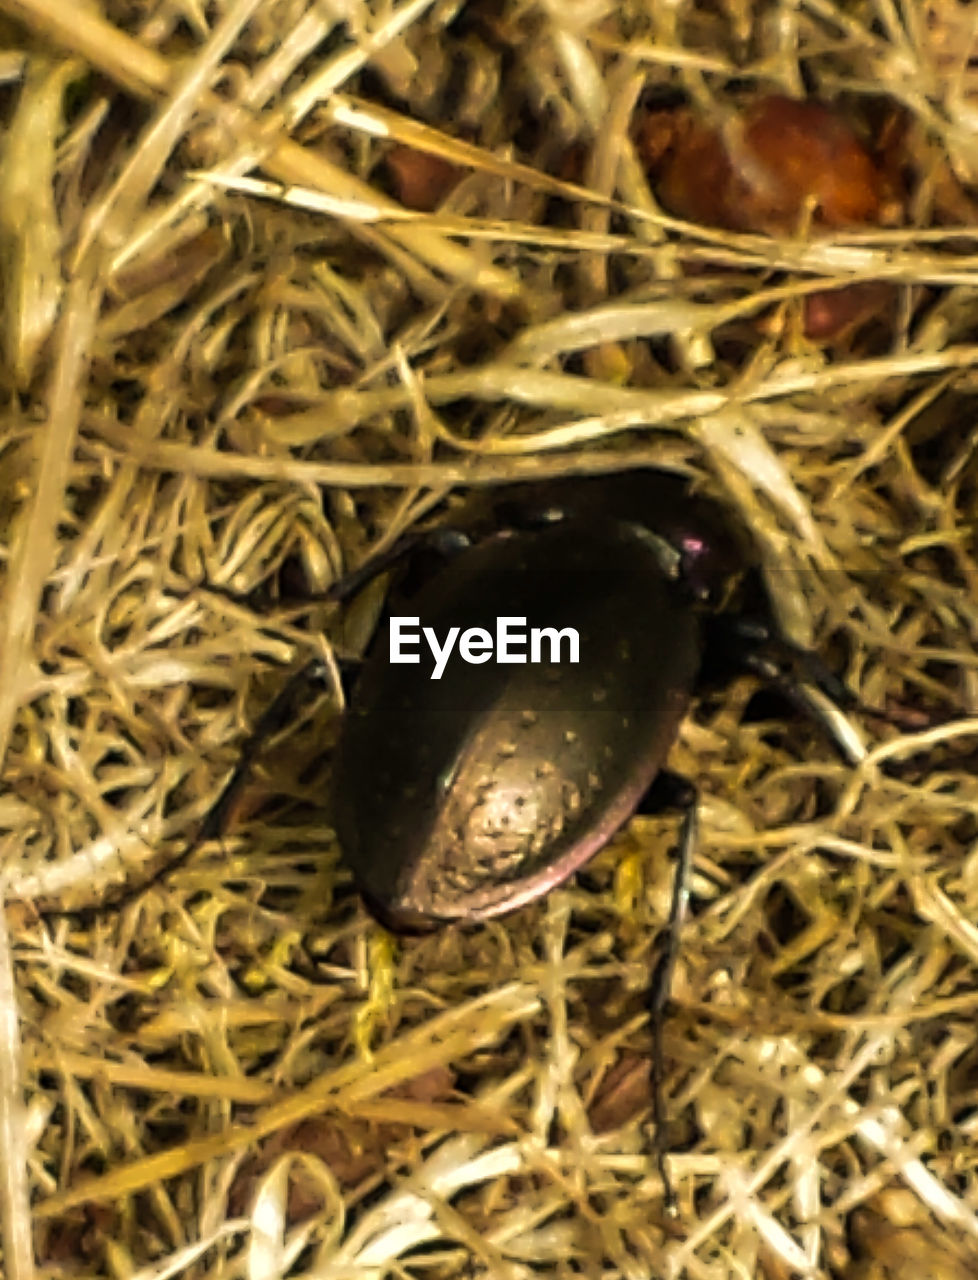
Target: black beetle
{"points": [[460, 798], [468, 795]]}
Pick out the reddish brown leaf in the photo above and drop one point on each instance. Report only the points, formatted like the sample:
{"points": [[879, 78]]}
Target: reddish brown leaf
{"points": [[420, 180]]}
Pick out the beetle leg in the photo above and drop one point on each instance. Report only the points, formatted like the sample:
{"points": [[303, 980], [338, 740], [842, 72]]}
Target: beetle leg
{"points": [[442, 542], [746, 642], [280, 712], [788, 666], [669, 791], [674, 791]]}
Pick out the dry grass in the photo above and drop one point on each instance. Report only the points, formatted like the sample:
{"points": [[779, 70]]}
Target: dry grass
{"points": [[186, 1084]]}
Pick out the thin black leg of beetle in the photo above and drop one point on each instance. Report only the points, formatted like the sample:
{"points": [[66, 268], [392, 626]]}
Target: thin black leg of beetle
{"points": [[788, 668], [677, 792], [669, 791], [749, 643], [814, 703], [444, 543], [281, 711]]}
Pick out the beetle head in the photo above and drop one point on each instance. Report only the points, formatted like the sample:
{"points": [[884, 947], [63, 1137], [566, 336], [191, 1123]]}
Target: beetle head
{"points": [[703, 550]]}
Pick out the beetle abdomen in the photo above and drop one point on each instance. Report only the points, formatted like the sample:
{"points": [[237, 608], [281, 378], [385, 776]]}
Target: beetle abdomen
{"points": [[463, 797]]}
